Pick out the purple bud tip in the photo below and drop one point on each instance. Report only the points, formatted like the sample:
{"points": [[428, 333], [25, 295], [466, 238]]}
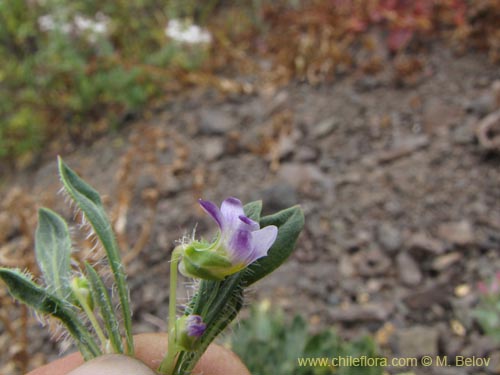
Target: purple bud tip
{"points": [[195, 326]]}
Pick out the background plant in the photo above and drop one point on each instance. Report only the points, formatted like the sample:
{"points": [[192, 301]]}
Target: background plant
{"points": [[487, 312], [270, 343]]}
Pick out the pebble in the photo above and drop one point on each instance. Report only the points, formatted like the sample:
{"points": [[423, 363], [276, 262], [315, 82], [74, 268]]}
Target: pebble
{"points": [[482, 105], [279, 196], [443, 262], [389, 237], [325, 127], [213, 148], [409, 272], [216, 122], [417, 341], [422, 244], [304, 177], [458, 233], [369, 312]]}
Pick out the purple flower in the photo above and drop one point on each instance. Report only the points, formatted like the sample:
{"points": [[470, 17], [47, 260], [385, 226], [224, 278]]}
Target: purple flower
{"points": [[188, 330], [240, 238], [195, 326]]}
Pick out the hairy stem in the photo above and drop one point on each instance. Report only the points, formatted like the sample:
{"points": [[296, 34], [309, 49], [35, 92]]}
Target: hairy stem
{"points": [[168, 364]]}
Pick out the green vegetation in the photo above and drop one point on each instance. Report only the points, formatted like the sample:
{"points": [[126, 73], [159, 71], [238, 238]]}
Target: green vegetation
{"points": [[74, 69], [267, 344]]}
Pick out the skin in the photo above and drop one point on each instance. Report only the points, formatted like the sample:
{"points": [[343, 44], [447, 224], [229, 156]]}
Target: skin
{"points": [[150, 349]]}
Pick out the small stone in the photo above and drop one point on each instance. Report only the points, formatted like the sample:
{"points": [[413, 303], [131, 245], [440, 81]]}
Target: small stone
{"points": [[372, 262], [346, 268], [279, 197], [408, 269], [459, 233], [418, 341], [389, 237], [479, 346], [9, 226], [425, 298], [325, 127], [464, 133], [369, 312], [216, 122], [306, 154], [494, 365], [443, 262], [482, 105], [421, 243], [213, 148], [304, 176]]}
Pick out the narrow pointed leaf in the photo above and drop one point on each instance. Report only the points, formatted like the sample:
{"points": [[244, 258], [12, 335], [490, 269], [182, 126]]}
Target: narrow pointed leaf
{"points": [[88, 200], [34, 296], [53, 252], [289, 222], [102, 299]]}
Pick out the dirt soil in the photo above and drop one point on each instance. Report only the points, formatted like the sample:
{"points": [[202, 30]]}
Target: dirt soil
{"points": [[402, 202]]}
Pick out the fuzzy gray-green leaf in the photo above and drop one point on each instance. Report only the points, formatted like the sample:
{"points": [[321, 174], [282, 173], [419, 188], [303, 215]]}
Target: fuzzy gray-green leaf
{"points": [[34, 296], [88, 200], [102, 299], [53, 252], [289, 222], [253, 210]]}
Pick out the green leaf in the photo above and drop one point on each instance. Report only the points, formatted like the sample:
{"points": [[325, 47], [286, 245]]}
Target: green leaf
{"points": [[289, 222], [34, 296], [253, 210], [53, 252], [102, 299], [88, 200]]}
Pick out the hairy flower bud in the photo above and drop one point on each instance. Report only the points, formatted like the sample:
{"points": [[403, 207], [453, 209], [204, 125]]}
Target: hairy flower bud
{"points": [[188, 330], [80, 287]]}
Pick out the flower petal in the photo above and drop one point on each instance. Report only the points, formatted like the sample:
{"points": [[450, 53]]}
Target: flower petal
{"points": [[213, 211], [240, 245], [231, 210], [195, 326], [248, 224], [262, 240]]}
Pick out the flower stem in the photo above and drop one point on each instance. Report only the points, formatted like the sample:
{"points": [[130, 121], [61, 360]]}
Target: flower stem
{"points": [[90, 314], [168, 364]]}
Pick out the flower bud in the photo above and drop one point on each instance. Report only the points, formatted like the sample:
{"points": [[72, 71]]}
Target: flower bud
{"points": [[81, 290], [188, 330]]}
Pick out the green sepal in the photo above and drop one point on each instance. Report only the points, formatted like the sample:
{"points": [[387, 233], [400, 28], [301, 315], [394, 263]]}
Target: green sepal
{"points": [[290, 223], [53, 252], [88, 200], [204, 263], [23, 289]]}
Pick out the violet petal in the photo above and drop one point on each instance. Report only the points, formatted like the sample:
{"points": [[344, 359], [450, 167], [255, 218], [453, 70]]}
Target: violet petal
{"points": [[213, 211], [231, 209], [248, 224], [262, 240], [240, 246], [195, 326]]}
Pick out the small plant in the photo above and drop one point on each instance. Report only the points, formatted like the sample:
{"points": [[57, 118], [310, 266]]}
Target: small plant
{"points": [[247, 248], [267, 344], [487, 312]]}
